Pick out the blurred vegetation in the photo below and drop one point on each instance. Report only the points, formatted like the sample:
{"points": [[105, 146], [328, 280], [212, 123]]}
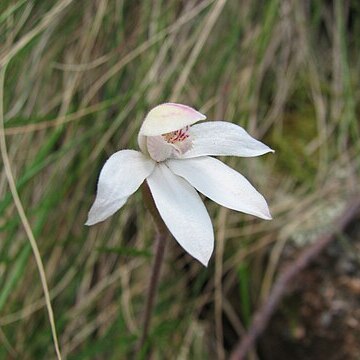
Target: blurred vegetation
{"points": [[81, 76]]}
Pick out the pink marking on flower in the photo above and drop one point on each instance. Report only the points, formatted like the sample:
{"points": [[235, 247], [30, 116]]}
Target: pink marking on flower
{"points": [[177, 136]]}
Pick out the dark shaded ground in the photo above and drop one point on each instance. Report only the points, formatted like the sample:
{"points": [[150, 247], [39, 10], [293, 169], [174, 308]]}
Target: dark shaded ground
{"points": [[321, 317]]}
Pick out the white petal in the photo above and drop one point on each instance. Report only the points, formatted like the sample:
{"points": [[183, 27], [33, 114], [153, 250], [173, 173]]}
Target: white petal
{"points": [[183, 212], [169, 117], [222, 184], [121, 176], [223, 138]]}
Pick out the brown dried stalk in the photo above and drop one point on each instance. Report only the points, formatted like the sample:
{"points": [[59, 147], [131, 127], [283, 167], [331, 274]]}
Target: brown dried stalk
{"points": [[280, 288]]}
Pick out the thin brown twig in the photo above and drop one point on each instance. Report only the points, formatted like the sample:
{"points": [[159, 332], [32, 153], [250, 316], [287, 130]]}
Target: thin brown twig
{"points": [[263, 315]]}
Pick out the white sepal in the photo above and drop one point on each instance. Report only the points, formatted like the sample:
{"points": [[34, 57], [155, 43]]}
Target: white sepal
{"points": [[219, 138], [183, 212], [221, 184], [121, 176]]}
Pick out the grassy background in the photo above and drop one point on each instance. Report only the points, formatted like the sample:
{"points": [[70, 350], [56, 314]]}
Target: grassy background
{"points": [[81, 76]]}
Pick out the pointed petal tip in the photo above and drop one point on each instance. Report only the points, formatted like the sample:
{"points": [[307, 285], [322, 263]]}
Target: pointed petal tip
{"points": [[263, 215], [267, 150], [205, 263], [91, 221], [202, 259], [205, 256], [266, 215]]}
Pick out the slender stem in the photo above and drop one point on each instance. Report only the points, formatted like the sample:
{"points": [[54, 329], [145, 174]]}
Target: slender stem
{"points": [[160, 245], [153, 285]]}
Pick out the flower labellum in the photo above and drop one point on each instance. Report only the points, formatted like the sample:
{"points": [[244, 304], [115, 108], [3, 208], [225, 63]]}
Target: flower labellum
{"points": [[175, 159]]}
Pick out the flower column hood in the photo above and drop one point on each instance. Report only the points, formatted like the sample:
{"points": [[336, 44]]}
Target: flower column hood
{"points": [[175, 159]]}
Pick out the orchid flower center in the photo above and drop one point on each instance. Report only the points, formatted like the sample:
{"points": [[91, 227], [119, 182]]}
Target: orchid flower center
{"points": [[177, 136], [169, 145]]}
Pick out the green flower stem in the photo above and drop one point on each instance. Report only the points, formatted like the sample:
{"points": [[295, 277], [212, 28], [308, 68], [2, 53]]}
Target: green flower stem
{"points": [[161, 237]]}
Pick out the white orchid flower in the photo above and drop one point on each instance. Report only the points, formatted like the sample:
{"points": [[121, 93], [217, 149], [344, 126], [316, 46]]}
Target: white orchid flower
{"points": [[174, 160]]}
